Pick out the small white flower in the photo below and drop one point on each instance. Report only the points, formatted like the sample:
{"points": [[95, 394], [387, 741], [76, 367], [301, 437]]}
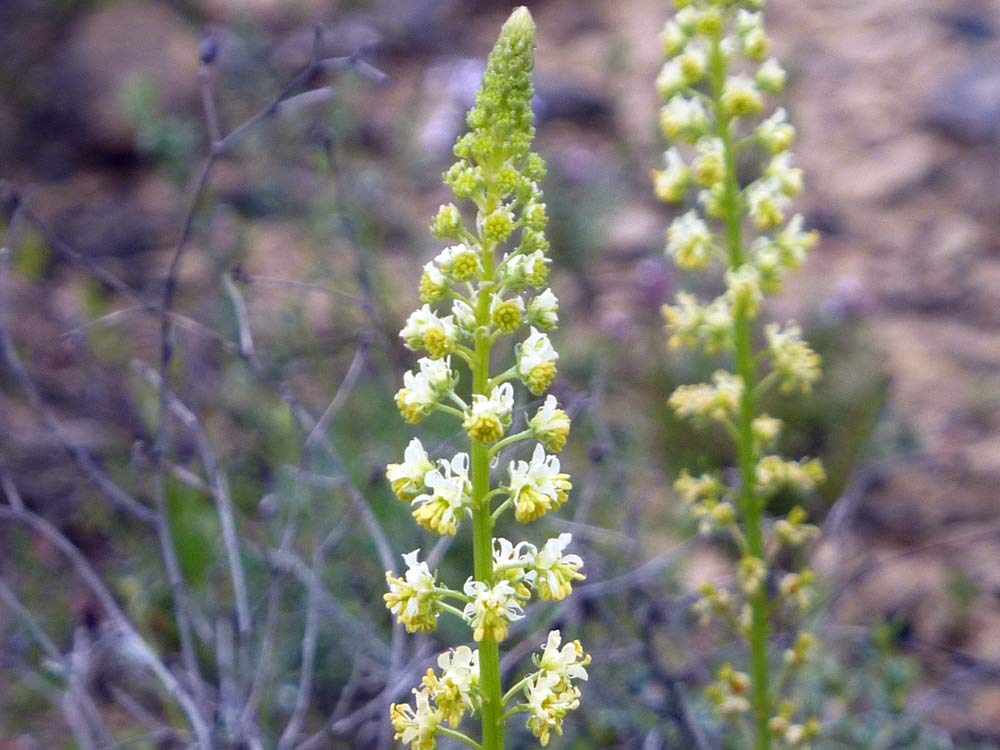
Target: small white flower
{"points": [[456, 690], [689, 241], [407, 478], [492, 609], [526, 269], [791, 357], [556, 571], [670, 79], [438, 373], [776, 132], [508, 555], [674, 39], [795, 243], [536, 362], [747, 21], [687, 19], [433, 284], [425, 330], [789, 177], [709, 166], [487, 418], [422, 390], [683, 118], [693, 63], [460, 262], [719, 401], [537, 487], [507, 314], [671, 184], [412, 598], [548, 701], [766, 202], [743, 290], [774, 473], [448, 499], [550, 425], [771, 77], [513, 563], [465, 317], [569, 661], [416, 727], [740, 97], [543, 311]]}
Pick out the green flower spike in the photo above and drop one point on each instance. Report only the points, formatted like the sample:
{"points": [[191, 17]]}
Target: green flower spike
{"points": [[494, 282], [715, 83]]}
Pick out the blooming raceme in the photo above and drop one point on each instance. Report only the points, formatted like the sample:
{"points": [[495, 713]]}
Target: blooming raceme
{"points": [[488, 287], [715, 84]]}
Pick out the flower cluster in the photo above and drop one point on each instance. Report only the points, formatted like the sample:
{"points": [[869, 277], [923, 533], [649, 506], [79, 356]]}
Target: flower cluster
{"points": [[488, 288], [715, 84], [549, 693]]}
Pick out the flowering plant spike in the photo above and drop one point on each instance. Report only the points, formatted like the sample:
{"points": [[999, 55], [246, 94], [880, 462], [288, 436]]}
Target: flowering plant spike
{"points": [[714, 83], [487, 287]]}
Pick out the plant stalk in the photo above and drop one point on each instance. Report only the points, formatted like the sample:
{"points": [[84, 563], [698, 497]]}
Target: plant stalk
{"points": [[482, 525], [750, 505]]}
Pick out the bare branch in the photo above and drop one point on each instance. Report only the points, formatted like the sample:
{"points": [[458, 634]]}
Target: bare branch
{"points": [[308, 662], [115, 494], [247, 349], [115, 613], [220, 494], [362, 635], [318, 431], [34, 627], [393, 691]]}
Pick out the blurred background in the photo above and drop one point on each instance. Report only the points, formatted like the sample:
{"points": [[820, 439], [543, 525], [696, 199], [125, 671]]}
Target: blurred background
{"points": [[309, 240]]}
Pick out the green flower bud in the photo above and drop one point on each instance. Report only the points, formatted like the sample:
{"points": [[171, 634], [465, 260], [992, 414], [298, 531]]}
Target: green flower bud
{"points": [[709, 167], [740, 97], [671, 184], [508, 315], [535, 168], [674, 39], [670, 80], [498, 226], [535, 216], [447, 224], [693, 64], [683, 119], [506, 181], [752, 573], [711, 22], [464, 180], [776, 133], [756, 45], [771, 77], [432, 284]]}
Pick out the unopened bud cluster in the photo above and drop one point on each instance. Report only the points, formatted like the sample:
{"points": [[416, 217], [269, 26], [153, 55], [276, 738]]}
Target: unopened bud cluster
{"points": [[715, 86], [487, 287]]}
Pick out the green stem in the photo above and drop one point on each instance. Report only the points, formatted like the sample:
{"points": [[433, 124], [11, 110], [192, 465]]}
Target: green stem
{"points": [[450, 410], [510, 440], [514, 690], [502, 507], [482, 524], [452, 610], [460, 737], [750, 504]]}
